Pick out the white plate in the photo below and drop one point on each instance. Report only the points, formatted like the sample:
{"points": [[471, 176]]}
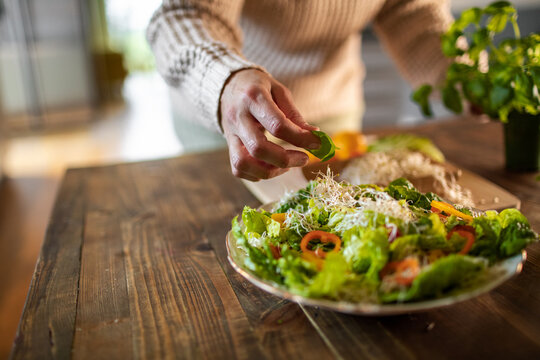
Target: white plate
{"points": [[498, 274]]}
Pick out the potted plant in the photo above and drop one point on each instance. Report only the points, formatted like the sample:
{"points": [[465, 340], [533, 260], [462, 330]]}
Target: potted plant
{"points": [[501, 78]]}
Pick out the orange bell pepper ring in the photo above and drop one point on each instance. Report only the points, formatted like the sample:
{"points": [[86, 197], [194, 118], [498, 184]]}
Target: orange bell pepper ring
{"points": [[467, 232], [324, 237], [406, 270]]}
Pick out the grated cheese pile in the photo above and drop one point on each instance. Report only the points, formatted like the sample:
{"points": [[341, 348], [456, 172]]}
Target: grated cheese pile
{"points": [[383, 167]]}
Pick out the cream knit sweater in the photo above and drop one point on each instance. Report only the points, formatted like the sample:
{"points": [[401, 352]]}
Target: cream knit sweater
{"points": [[311, 46]]}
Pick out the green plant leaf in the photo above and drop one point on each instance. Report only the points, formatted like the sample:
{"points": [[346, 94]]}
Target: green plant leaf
{"points": [[327, 149], [512, 80], [452, 99], [503, 112], [480, 40], [523, 88], [499, 96], [535, 74], [500, 7], [469, 16], [474, 90], [497, 23], [502, 74], [449, 43], [421, 97]]}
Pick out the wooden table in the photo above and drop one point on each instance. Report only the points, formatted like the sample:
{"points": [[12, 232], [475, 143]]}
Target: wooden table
{"points": [[134, 265]]}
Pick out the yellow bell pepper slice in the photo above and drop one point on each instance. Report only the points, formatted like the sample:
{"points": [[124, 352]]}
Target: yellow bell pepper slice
{"points": [[279, 217], [449, 209]]}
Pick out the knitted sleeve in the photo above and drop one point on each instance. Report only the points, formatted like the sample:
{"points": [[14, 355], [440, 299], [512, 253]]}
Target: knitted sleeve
{"points": [[410, 30], [197, 45]]}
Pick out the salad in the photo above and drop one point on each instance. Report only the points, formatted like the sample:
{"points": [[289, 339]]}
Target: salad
{"points": [[367, 244]]}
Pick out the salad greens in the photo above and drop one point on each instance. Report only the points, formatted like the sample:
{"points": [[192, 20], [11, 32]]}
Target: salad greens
{"points": [[327, 149], [407, 142], [367, 244]]}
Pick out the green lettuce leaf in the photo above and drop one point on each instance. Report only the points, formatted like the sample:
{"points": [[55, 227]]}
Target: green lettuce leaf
{"points": [[403, 189], [443, 275], [331, 278], [516, 233], [414, 244], [410, 142], [366, 250], [258, 222], [297, 273], [499, 236], [260, 261], [327, 149]]}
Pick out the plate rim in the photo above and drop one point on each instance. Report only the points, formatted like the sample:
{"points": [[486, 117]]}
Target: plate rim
{"points": [[515, 263]]}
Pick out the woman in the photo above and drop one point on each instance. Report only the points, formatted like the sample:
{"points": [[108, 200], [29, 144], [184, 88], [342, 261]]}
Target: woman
{"points": [[243, 67]]}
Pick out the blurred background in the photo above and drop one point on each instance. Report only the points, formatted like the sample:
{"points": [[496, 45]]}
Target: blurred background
{"points": [[78, 87]]}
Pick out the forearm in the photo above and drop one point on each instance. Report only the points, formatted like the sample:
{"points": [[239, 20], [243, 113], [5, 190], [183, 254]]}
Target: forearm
{"points": [[410, 30], [197, 48]]}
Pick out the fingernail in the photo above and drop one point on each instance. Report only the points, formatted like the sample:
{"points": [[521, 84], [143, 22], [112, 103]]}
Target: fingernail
{"points": [[298, 161], [314, 146]]}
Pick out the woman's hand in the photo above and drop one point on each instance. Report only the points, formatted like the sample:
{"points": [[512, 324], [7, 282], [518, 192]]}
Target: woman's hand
{"points": [[251, 103]]}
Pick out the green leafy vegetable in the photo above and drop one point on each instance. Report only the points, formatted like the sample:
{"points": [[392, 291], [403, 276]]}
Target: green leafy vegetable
{"points": [[331, 278], [299, 200], [403, 189], [443, 275], [499, 236], [327, 149], [421, 97], [257, 222], [367, 250], [387, 244], [409, 142], [257, 260]]}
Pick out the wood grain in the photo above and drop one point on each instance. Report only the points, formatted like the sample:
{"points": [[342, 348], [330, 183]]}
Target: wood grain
{"points": [[47, 323], [152, 276], [25, 206], [134, 265]]}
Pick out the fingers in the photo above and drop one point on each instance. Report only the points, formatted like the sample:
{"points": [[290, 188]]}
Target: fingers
{"points": [[252, 136], [245, 166], [264, 109], [283, 99], [252, 102]]}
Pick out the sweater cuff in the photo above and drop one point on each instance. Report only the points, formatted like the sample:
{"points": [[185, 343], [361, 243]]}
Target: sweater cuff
{"points": [[213, 82]]}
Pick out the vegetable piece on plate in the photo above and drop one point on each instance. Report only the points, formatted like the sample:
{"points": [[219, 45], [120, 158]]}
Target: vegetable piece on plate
{"points": [[349, 144], [407, 142], [367, 244], [327, 149]]}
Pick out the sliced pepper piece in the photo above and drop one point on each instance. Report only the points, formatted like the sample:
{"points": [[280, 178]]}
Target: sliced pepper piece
{"points": [[467, 232], [405, 270], [324, 237], [450, 210], [279, 217]]}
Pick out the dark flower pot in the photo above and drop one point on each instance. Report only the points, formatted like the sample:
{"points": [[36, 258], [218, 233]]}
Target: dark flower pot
{"points": [[522, 142]]}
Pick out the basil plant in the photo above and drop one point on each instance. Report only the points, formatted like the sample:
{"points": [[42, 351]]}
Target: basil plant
{"points": [[510, 82]]}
